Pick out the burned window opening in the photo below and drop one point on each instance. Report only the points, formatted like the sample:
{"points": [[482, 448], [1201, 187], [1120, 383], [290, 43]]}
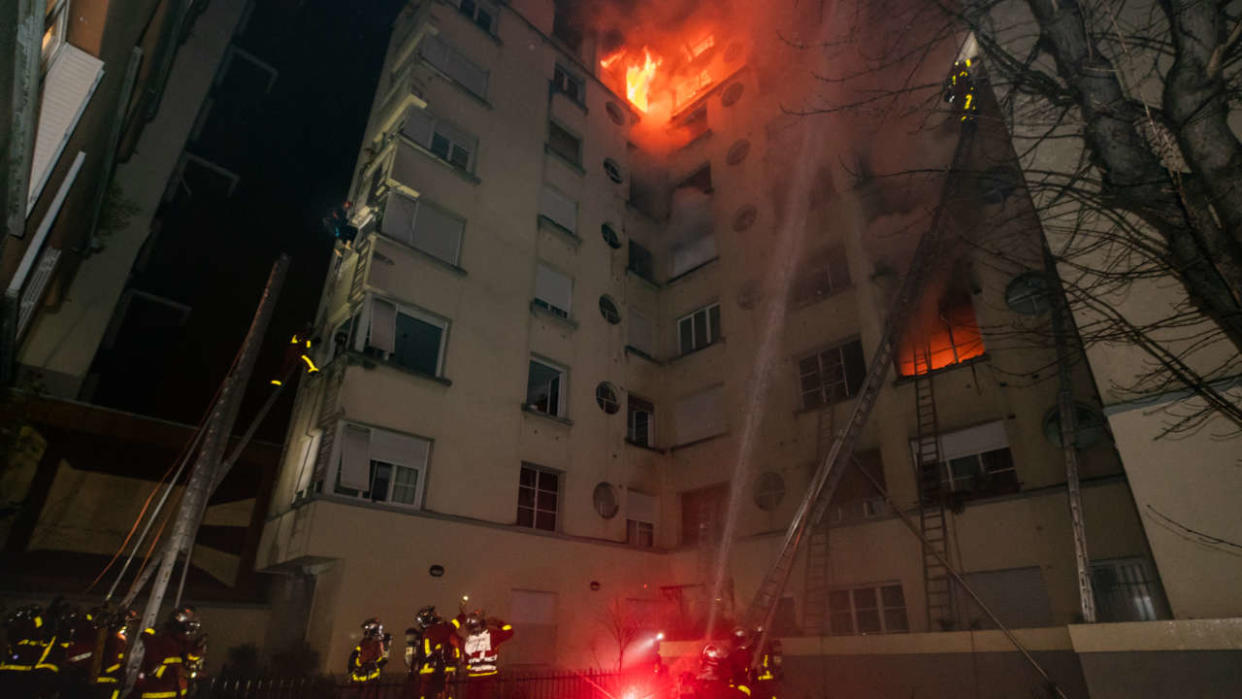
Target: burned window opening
{"points": [[944, 333]]}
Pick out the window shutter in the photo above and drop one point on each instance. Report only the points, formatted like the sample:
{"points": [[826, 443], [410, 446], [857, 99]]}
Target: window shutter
{"points": [[399, 449], [972, 440], [699, 415], [418, 125], [32, 295], [435, 52], [641, 333], [692, 253], [398, 220], [553, 287], [438, 233], [383, 324], [355, 458], [641, 507], [560, 208], [466, 72]]}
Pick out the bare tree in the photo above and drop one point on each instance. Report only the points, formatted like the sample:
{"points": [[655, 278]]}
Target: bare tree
{"points": [[619, 620]]}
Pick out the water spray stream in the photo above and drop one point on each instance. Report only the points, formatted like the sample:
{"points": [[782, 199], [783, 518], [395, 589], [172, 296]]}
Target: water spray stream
{"points": [[790, 236]]}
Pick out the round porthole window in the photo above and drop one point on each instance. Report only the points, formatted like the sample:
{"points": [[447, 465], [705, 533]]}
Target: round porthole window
{"points": [[1028, 294], [608, 309], [1088, 423], [737, 152], [605, 500], [732, 94], [769, 490], [745, 218], [613, 170], [615, 113], [436, 571], [606, 397], [610, 235]]}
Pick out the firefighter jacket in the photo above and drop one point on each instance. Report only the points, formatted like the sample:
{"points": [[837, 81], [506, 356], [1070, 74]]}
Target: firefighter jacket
{"points": [[482, 649], [79, 645], [33, 647], [112, 664], [439, 649], [164, 674], [367, 660]]}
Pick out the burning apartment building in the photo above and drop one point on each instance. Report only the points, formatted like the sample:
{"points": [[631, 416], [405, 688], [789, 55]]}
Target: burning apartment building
{"points": [[616, 283]]}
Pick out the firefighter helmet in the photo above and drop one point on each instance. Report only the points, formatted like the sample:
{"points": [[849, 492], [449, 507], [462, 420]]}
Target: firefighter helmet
{"points": [[739, 635], [372, 627], [476, 622], [27, 613], [426, 617], [185, 621], [713, 653]]}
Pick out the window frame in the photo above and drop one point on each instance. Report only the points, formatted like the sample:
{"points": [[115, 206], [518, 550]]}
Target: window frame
{"points": [[818, 263], [558, 72], [562, 392], [56, 23], [535, 507], [711, 332], [366, 495], [419, 203], [547, 304], [630, 411], [825, 399], [639, 534], [453, 52], [473, 16], [363, 340], [576, 159], [881, 609]]}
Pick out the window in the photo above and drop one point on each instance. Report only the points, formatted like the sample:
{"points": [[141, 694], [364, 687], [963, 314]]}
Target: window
{"points": [[564, 27], [545, 389], [448, 60], [425, 226], [703, 514], [568, 84], [553, 290], [609, 232], [534, 613], [822, 273], [864, 610], [856, 497], [564, 143], [1090, 427], [1028, 294], [699, 415], [481, 13], [639, 421], [604, 497], [405, 336], [539, 494], [641, 336], [608, 309], [641, 262], [975, 461], [613, 170], [699, 329], [446, 141], [640, 518], [54, 25], [606, 397], [832, 375], [381, 466], [955, 338], [769, 490], [1127, 589], [559, 209]]}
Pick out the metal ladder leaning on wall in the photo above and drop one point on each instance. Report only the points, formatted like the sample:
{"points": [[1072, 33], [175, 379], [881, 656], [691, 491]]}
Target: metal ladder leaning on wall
{"points": [[818, 495], [927, 471]]}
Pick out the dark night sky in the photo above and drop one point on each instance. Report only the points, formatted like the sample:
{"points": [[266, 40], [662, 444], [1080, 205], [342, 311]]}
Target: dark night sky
{"points": [[294, 150]]}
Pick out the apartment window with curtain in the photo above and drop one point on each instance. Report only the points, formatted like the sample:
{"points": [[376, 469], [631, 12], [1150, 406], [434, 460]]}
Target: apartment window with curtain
{"points": [[381, 466], [405, 336], [425, 226], [976, 461], [447, 59], [445, 140]]}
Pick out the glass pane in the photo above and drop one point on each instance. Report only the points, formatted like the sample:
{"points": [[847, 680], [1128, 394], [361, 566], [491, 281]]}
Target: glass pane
{"points": [[997, 460], [864, 598], [460, 157], [405, 485], [713, 314], [548, 481], [841, 623], [855, 367], [440, 146], [554, 396], [809, 366], [484, 20], [686, 327], [381, 475], [700, 329], [893, 596], [526, 497], [964, 468], [417, 345], [868, 621], [539, 386], [839, 600], [895, 620], [525, 517], [545, 520], [547, 501], [527, 477]]}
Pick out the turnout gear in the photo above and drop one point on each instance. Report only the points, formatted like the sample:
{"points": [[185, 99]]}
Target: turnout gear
{"points": [[769, 670], [114, 631], [481, 647], [434, 656], [26, 633], [169, 657], [368, 658], [959, 89]]}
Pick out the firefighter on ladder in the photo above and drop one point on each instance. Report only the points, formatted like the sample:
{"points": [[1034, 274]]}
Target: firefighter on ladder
{"points": [[959, 89], [484, 635], [297, 352], [169, 656], [368, 658], [432, 653]]}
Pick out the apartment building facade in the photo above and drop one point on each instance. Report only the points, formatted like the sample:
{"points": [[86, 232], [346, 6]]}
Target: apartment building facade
{"points": [[539, 357]]}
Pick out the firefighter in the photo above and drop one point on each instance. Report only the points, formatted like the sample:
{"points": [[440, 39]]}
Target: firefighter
{"points": [[768, 669], [113, 640], [297, 353], [76, 632], [169, 656], [716, 673], [24, 632], [433, 651], [959, 89], [484, 635], [368, 658], [337, 224]]}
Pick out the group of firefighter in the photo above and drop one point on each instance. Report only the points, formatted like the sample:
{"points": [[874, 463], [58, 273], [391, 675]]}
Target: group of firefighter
{"points": [[65, 652], [436, 649]]}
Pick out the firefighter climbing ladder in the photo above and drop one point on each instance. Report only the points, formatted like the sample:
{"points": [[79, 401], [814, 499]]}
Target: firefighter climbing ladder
{"points": [[819, 491], [927, 471]]}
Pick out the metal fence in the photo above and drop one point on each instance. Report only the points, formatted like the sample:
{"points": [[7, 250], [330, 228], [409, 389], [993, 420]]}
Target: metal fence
{"points": [[513, 685]]}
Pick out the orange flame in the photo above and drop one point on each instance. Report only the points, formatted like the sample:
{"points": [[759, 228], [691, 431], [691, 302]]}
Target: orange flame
{"points": [[638, 76]]}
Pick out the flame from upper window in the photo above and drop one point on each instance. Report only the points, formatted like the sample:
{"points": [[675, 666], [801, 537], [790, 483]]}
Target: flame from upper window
{"points": [[638, 75]]}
